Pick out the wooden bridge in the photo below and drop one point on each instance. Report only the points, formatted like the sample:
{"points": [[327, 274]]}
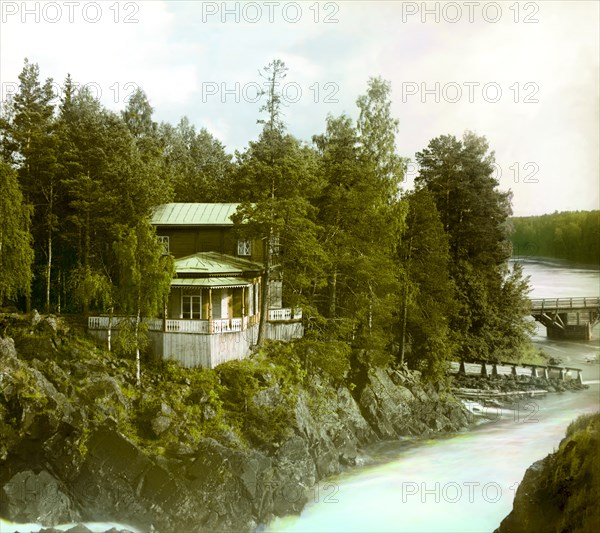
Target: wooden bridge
{"points": [[567, 318]]}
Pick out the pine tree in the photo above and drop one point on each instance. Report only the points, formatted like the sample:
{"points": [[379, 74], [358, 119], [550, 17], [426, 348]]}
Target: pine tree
{"points": [[459, 175], [200, 168], [278, 175], [359, 230], [16, 253], [30, 142], [427, 298]]}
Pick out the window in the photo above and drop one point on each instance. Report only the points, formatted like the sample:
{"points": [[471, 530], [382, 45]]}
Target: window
{"points": [[275, 246], [191, 306], [165, 242], [244, 247], [275, 294]]}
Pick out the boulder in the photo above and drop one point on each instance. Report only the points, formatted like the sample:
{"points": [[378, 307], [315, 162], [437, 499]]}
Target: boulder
{"points": [[320, 445], [160, 424], [104, 391], [387, 406], [40, 347], [119, 478], [233, 485], [39, 498], [7, 349], [35, 318]]}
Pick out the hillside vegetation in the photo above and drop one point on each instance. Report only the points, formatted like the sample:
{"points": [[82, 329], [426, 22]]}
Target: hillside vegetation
{"points": [[189, 450], [561, 492]]}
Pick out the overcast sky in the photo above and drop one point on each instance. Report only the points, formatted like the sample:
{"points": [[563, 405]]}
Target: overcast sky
{"points": [[524, 74]]}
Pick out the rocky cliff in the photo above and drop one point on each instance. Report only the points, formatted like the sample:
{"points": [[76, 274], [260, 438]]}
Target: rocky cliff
{"points": [[561, 492], [189, 450]]}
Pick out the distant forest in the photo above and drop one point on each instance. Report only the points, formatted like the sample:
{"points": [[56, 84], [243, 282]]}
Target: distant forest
{"points": [[572, 235]]}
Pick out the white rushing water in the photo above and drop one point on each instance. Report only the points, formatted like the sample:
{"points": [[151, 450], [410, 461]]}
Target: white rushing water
{"points": [[95, 527], [465, 482], [462, 483]]}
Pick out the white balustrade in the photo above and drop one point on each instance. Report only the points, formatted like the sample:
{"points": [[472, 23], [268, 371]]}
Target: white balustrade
{"points": [[285, 314], [187, 326], [225, 325], [154, 324], [98, 322]]}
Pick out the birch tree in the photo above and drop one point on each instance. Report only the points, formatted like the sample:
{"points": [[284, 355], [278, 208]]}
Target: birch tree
{"points": [[143, 286]]}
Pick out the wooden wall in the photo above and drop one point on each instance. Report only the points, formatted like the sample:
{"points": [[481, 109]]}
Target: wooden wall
{"points": [[194, 350], [184, 241]]}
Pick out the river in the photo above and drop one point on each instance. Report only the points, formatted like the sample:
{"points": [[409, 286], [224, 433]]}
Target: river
{"points": [[464, 482], [461, 483]]}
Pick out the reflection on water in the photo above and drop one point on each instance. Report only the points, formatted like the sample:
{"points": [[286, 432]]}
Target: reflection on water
{"points": [[465, 482]]}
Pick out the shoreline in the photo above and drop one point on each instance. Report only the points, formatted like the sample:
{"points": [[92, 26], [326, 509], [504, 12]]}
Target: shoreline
{"points": [[330, 433]]}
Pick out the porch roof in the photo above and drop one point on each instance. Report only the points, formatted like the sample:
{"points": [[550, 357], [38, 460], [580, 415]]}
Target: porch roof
{"points": [[193, 214], [205, 264], [213, 283]]}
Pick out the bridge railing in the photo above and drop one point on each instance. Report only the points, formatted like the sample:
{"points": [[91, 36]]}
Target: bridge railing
{"points": [[539, 304]]}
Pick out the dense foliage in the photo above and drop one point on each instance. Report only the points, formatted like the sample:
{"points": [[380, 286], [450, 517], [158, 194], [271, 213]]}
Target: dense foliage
{"points": [[560, 493], [491, 299], [572, 235], [381, 274]]}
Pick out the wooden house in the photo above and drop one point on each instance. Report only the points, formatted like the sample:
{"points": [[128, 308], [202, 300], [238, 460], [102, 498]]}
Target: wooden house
{"points": [[213, 310]]}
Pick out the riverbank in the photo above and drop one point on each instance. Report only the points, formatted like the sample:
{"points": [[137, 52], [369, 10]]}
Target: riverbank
{"points": [[561, 491], [190, 450]]}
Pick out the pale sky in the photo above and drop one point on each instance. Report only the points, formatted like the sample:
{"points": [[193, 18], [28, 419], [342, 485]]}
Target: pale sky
{"points": [[524, 74]]}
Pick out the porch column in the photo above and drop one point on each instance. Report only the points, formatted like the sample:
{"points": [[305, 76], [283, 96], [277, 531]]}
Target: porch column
{"points": [[210, 311], [165, 317], [243, 305], [258, 303]]}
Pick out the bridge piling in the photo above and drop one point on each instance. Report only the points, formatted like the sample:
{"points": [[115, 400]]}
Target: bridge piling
{"points": [[567, 318]]}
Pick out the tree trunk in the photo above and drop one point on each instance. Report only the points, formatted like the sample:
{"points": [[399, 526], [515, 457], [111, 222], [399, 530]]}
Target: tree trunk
{"points": [[405, 302], [264, 301], [333, 295], [59, 289], [138, 366], [109, 332], [370, 308], [49, 271], [404, 318]]}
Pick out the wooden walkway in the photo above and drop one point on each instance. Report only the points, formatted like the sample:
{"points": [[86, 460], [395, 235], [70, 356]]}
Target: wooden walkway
{"points": [[490, 368]]}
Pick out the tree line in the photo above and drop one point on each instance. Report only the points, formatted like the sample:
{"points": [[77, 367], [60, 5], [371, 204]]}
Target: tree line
{"points": [[418, 275], [571, 235]]}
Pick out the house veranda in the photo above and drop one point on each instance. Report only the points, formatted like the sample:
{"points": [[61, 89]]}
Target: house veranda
{"points": [[213, 309]]}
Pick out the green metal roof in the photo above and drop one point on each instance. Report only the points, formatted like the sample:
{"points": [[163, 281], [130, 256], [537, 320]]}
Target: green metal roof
{"points": [[213, 263], [214, 283], [193, 214]]}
